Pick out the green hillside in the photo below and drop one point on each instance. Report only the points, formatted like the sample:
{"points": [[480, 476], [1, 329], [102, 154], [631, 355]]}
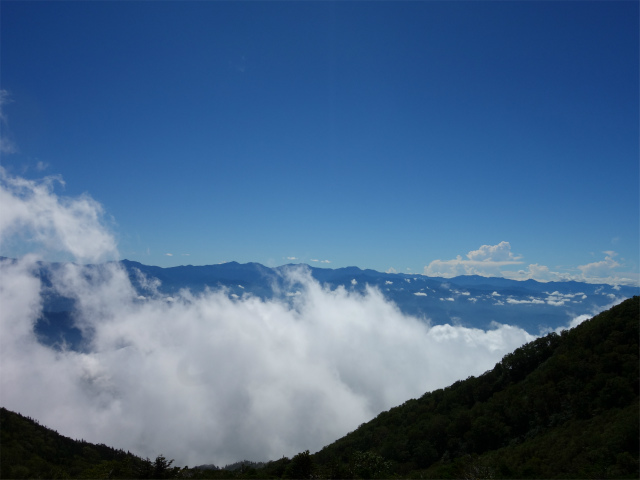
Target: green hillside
{"points": [[562, 406], [31, 450]]}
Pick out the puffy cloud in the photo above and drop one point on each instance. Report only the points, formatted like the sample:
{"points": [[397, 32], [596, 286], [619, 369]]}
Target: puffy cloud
{"points": [[488, 260], [33, 214], [494, 253], [209, 377], [491, 260], [420, 294], [559, 299], [602, 269]]}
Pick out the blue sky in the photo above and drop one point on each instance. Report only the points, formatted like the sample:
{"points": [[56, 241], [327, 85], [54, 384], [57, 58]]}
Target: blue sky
{"points": [[437, 137]]}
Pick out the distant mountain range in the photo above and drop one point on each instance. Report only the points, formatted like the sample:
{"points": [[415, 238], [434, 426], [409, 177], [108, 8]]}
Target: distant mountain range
{"points": [[470, 301]]}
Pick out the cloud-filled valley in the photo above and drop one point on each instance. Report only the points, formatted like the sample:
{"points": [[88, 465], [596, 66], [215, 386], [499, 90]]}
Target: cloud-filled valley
{"points": [[205, 376]]}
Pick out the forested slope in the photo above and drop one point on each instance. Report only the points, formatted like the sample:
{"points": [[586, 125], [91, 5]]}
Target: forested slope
{"points": [[31, 450]]}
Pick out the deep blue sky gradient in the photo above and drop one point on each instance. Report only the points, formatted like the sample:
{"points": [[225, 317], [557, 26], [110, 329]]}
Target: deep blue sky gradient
{"points": [[376, 134]]}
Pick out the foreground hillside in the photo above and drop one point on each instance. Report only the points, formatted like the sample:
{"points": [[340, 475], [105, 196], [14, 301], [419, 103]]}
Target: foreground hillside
{"points": [[563, 406], [31, 450]]}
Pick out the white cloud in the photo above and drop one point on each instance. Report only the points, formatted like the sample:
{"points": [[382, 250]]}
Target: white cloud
{"points": [[41, 166], [354, 282], [388, 282], [7, 145], [213, 379], [315, 260], [486, 261], [420, 294], [169, 254], [604, 271], [208, 378], [292, 258], [494, 253], [33, 215], [325, 261], [391, 270], [531, 300], [491, 260], [559, 299]]}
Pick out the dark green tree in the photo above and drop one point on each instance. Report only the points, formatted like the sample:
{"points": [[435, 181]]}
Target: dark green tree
{"points": [[301, 466]]}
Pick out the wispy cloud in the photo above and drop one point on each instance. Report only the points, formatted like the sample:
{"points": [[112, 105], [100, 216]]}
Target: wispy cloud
{"points": [[7, 145], [41, 166]]}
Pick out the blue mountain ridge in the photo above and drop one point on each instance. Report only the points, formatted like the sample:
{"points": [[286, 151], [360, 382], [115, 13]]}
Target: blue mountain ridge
{"points": [[471, 301]]}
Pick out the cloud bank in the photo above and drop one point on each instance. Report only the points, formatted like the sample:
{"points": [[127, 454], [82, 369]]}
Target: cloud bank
{"points": [[208, 378]]}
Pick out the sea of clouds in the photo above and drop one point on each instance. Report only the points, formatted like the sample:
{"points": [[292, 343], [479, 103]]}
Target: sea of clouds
{"points": [[205, 378]]}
